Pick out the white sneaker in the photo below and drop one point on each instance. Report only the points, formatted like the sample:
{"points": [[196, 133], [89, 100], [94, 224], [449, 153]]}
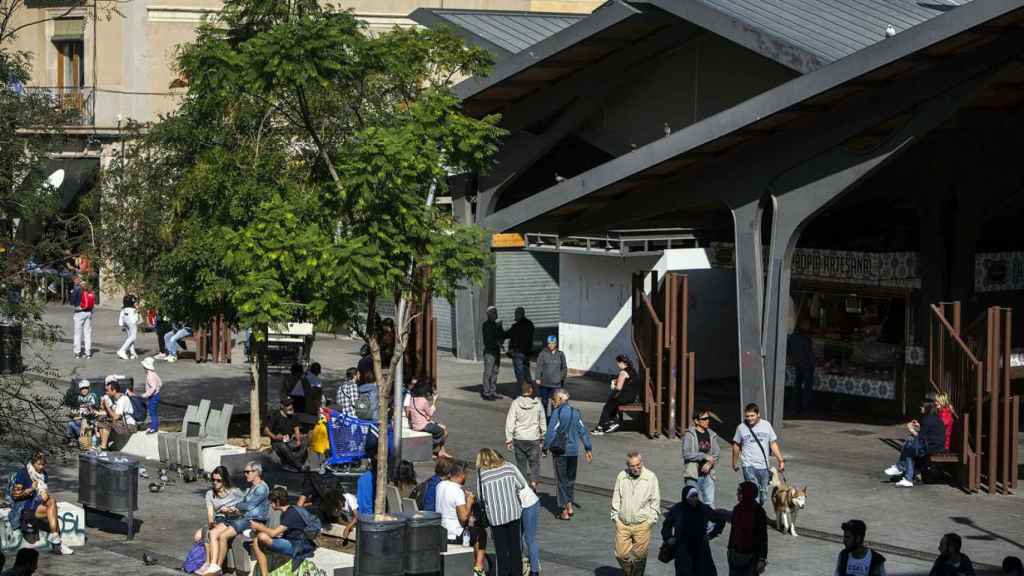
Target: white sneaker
{"points": [[212, 569], [893, 471], [904, 483], [160, 356], [133, 355], [172, 358], [122, 355], [61, 548]]}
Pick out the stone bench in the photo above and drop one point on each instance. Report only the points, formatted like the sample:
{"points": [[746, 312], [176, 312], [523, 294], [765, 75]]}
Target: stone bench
{"points": [[72, 529], [416, 446]]}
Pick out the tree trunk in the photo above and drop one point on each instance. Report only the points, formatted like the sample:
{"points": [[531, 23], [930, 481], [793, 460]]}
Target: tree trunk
{"points": [[373, 340], [258, 392]]}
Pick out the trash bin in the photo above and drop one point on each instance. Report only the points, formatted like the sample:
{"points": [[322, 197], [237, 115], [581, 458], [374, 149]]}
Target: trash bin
{"points": [[10, 349], [425, 540], [109, 483], [380, 545]]}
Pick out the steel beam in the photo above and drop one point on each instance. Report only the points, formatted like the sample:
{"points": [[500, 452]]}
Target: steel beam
{"points": [[749, 296]]}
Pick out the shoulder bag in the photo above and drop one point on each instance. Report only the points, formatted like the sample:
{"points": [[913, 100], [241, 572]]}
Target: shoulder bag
{"points": [[561, 439], [767, 463]]}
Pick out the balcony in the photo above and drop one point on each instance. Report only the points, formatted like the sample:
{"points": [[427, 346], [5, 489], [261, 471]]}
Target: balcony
{"points": [[79, 103]]}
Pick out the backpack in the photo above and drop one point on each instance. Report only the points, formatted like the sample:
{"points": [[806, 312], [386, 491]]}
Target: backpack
{"points": [[139, 412], [195, 559], [364, 406], [425, 494], [561, 439], [313, 525]]}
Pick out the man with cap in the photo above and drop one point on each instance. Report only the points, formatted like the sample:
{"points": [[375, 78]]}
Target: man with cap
{"points": [[855, 559], [87, 405], [493, 336], [551, 371]]}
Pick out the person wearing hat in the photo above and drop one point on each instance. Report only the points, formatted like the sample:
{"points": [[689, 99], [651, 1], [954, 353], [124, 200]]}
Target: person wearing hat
{"points": [[493, 336], [855, 559], [87, 404], [152, 394], [551, 371]]}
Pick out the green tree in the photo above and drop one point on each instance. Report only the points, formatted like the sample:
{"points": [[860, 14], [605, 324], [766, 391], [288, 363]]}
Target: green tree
{"points": [[297, 177]]}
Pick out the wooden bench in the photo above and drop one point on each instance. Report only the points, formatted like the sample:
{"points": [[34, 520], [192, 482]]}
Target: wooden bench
{"points": [[929, 466]]}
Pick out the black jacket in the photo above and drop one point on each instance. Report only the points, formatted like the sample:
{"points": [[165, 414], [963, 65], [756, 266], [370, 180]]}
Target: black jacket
{"points": [[933, 433], [520, 336], [493, 336]]}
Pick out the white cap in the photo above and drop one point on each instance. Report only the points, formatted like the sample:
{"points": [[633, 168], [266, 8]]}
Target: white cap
{"points": [[147, 363], [83, 384]]}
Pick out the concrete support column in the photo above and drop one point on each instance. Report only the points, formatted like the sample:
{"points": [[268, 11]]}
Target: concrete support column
{"points": [[749, 297], [470, 302]]}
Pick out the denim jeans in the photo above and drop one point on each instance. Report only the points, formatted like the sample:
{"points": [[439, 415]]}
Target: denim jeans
{"points": [[761, 477], [74, 430], [171, 340], [705, 486], [151, 408], [545, 393], [531, 518], [492, 363], [565, 475], [521, 366], [913, 448]]}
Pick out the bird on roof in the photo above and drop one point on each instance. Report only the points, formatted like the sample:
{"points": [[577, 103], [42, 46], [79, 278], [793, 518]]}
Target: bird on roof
{"points": [[890, 31]]}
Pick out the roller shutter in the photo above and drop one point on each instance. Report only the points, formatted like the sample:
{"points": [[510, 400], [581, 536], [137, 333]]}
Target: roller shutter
{"points": [[530, 280], [444, 313]]}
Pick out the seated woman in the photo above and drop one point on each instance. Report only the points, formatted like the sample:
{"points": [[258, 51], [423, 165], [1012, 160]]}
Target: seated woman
{"points": [[926, 437], [254, 506], [420, 411], [34, 507], [623, 390], [220, 497]]}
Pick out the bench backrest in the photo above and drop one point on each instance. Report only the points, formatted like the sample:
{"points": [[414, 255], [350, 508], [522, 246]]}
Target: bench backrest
{"points": [[217, 423]]}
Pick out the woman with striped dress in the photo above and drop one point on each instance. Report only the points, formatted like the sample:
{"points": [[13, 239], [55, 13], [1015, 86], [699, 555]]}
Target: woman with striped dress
{"points": [[498, 485]]}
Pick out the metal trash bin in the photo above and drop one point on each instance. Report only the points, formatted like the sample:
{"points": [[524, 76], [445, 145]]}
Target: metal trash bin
{"points": [[110, 483], [380, 546], [425, 540]]}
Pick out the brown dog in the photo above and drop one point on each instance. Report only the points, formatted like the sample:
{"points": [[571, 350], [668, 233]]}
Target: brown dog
{"points": [[787, 501]]}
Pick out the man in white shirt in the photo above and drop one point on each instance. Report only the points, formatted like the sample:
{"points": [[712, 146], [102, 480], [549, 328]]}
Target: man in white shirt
{"points": [[453, 503], [753, 440], [117, 415]]}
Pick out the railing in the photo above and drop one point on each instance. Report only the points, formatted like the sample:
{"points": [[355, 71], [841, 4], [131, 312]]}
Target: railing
{"points": [[79, 103], [648, 332], [954, 370], [989, 338]]}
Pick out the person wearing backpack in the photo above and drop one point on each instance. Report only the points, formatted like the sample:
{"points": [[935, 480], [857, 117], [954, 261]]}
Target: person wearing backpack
{"points": [[565, 431], [293, 537]]}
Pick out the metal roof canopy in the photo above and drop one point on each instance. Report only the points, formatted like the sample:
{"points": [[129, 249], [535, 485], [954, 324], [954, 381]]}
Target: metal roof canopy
{"points": [[650, 180], [502, 32]]}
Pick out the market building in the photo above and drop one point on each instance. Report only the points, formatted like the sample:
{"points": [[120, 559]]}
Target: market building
{"points": [[830, 169]]}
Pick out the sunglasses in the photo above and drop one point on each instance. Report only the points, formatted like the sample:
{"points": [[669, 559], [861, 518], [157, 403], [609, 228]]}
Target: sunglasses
{"points": [[704, 418], [248, 470]]}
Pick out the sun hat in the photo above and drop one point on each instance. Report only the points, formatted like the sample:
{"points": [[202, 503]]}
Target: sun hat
{"points": [[147, 363]]}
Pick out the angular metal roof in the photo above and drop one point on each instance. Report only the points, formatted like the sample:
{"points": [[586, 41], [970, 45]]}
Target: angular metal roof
{"points": [[500, 31], [831, 29]]}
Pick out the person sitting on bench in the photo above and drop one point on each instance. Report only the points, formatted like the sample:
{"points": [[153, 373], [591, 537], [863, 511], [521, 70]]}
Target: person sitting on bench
{"points": [[622, 391], [34, 507], [286, 438], [117, 415], [288, 539], [927, 437], [254, 506]]}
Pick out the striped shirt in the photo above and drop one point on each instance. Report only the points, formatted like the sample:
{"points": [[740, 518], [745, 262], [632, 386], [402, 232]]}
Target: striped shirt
{"points": [[499, 491]]}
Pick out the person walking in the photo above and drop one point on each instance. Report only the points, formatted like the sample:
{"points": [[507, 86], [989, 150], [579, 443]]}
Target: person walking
{"points": [[551, 372], [565, 433], [520, 346], [801, 351], [748, 537], [636, 500], [525, 426], [855, 559], [83, 299], [493, 335], [685, 530], [752, 441], [498, 484], [700, 454], [152, 394], [128, 320], [623, 390]]}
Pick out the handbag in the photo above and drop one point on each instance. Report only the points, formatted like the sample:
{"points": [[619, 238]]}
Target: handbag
{"points": [[666, 553]]}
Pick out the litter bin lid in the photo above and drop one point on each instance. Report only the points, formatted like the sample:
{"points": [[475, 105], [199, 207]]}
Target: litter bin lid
{"points": [[372, 523], [424, 518]]}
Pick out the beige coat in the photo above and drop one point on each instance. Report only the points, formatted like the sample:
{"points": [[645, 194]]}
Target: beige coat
{"points": [[525, 420], [636, 500]]}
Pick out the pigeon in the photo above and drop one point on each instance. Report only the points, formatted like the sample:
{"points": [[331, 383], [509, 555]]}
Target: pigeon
{"points": [[148, 560], [163, 475], [890, 31]]}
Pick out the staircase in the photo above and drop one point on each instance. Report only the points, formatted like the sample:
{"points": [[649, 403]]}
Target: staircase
{"points": [[972, 367]]}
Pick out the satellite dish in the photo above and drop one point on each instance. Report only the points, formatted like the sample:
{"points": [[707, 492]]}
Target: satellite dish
{"points": [[56, 179]]}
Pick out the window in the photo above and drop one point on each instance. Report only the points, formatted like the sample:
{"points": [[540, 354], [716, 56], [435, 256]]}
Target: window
{"points": [[70, 64]]}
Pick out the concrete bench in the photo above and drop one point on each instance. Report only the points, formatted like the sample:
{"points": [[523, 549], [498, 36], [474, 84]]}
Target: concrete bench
{"points": [[416, 446], [72, 530], [202, 428]]}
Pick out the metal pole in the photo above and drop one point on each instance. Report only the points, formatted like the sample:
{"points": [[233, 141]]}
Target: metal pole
{"points": [[399, 378]]}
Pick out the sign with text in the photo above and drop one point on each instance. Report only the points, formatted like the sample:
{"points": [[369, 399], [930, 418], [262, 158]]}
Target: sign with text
{"points": [[891, 269]]}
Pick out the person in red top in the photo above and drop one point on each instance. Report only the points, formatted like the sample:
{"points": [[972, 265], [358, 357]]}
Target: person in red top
{"points": [[945, 414], [83, 299]]}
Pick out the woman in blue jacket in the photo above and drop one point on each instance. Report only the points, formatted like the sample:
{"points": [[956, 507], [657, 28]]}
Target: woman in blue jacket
{"points": [[565, 431]]}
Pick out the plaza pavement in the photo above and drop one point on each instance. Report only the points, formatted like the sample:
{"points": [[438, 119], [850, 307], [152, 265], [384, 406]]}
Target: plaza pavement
{"points": [[840, 462]]}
